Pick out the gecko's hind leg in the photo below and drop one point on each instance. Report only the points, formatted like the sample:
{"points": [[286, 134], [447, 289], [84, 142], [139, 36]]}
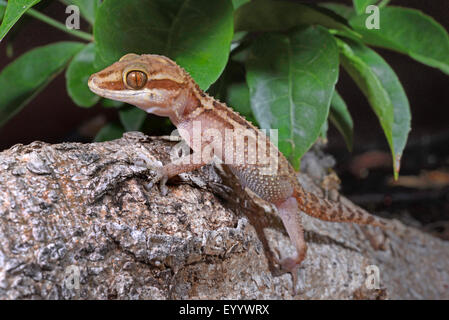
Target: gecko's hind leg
{"points": [[289, 213]]}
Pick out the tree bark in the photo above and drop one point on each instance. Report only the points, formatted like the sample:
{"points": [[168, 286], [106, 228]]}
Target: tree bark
{"points": [[78, 223]]}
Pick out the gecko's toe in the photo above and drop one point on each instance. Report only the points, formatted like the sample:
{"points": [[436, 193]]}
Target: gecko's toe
{"points": [[290, 265], [149, 185], [162, 186], [161, 178]]}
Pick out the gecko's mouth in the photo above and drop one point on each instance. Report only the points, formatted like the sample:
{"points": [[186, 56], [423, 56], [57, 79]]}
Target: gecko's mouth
{"points": [[93, 86]]}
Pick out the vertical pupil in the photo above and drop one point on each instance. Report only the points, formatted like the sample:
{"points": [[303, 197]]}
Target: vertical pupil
{"points": [[136, 79]]}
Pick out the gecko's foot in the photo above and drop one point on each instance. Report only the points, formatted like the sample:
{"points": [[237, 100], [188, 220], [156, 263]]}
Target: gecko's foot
{"points": [[157, 167], [161, 178], [290, 265]]}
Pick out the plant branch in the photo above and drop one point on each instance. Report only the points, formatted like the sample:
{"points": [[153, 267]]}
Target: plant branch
{"points": [[54, 23]]}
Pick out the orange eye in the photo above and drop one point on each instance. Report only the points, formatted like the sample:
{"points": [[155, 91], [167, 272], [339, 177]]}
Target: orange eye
{"points": [[136, 79]]}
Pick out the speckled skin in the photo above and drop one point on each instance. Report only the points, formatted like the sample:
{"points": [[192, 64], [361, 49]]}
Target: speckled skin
{"points": [[161, 87]]}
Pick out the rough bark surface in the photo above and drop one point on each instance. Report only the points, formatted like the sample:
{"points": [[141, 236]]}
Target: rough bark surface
{"points": [[83, 207]]}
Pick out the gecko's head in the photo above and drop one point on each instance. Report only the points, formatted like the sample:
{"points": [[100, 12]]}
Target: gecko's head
{"points": [[150, 82]]}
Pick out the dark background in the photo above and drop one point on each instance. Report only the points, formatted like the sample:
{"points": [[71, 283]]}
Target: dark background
{"points": [[52, 117]]}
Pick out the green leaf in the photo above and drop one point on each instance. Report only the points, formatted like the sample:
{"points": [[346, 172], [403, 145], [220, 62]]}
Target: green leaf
{"points": [[238, 3], [27, 75], [88, 8], [99, 62], [360, 5], [78, 73], [341, 118], [237, 97], [232, 88], [108, 103], [14, 10], [342, 10], [323, 131], [111, 131], [132, 118], [2, 11], [408, 31], [267, 15], [291, 78], [384, 92], [197, 34]]}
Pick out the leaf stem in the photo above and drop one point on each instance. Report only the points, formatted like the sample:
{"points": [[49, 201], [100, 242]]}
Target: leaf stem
{"points": [[383, 3], [54, 23]]}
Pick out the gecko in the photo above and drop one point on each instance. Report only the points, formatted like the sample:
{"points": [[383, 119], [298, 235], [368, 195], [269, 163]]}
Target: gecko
{"points": [[159, 86]]}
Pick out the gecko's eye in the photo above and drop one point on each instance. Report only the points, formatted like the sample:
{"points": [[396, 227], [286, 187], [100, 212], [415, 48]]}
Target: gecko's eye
{"points": [[136, 79]]}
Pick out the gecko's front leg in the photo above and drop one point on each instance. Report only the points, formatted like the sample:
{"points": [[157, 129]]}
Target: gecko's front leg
{"points": [[164, 173]]}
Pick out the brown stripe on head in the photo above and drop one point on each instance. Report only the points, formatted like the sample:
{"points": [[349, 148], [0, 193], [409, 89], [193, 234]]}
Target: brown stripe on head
{"points": [[113, 85], [105, 74], [164, 84]]}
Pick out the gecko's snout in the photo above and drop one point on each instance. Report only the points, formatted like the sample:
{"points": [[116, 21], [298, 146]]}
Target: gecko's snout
{"points": [[91, 81], [94, 84]]}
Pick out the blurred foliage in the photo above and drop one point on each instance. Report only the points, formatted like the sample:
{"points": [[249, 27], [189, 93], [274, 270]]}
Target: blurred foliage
{"points": [[276, 62]]}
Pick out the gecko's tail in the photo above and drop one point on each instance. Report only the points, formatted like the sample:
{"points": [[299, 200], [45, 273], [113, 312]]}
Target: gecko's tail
{"points": [[339, 210]]}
